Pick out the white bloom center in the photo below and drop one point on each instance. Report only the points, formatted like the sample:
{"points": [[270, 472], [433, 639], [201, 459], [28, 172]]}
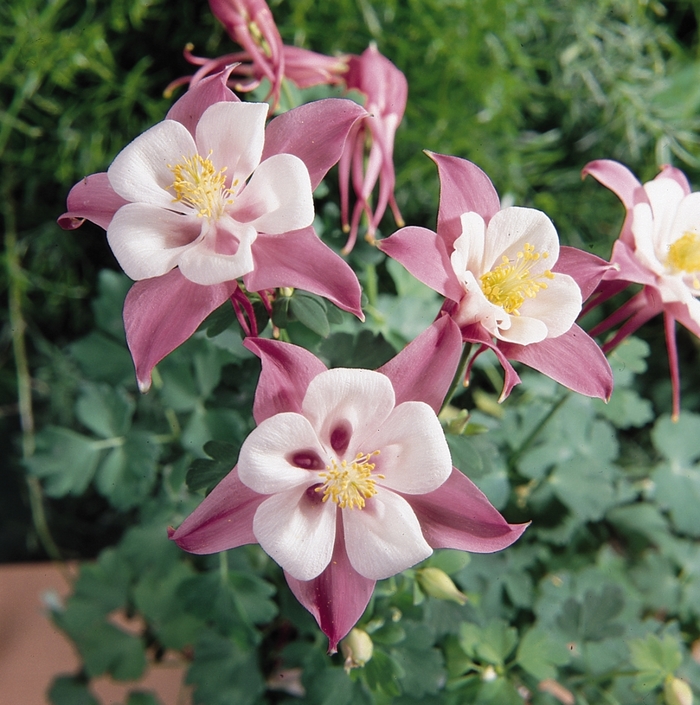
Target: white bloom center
{"points": [[349, 485]]}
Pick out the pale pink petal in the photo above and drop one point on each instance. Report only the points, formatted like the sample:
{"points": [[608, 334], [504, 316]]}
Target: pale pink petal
{"points": [[557, 306], [209, 90], [307, 68], [267, 461], [426, 257], [671, 172], [299, 259], [286, 373], [297, 531], [470, 245], [474, 307], [222, 521], [424, 369], [644, 232], [463, 188], [162, 313], [224, 254], [672, 350], [458, 515], [573, 359], [336, 598], [315, 132], [356, 402], [522, 330], [384, 537], [143, 171], [586, 269], [94, 199], [628, 267], [414, 457], [232, 135], [148, 241], [688, 315], [665, 196], [278, 198], [686, 219]]}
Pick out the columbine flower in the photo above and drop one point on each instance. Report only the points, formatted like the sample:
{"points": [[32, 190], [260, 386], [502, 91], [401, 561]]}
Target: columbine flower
{"points": [[659, 247], [506, 278], [209, 196], [347, 479]]}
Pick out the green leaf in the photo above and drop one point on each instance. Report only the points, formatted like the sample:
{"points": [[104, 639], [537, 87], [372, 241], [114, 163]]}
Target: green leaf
{"points": [[540, 652], [109, 304], [423, 666], [103, 359], [104, 584], [66, 461], [207, 473], [449, 560], [204, 425], [592, 618], [142, 697], [330, 687], [655, 659], [678, 441], [585, 487], [626, 409], [628, 359], [105, 411], [365, 349], [382, 673], [68, 690], [311, 311], [677, 488]]}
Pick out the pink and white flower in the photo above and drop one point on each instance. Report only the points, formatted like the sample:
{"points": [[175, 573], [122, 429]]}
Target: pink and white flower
{"points": [[508, 284], [211, 195], [347, 478], [659, 247]]}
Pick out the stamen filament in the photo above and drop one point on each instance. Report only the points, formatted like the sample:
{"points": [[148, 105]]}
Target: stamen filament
{"points": [[350, 485]]}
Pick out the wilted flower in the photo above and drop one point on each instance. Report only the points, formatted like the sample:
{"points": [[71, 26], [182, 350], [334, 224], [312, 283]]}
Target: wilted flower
{"points": [[348, 479], [506, 278]]}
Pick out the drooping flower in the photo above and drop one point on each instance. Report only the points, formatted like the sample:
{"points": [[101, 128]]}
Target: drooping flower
{"points": [[508, 283], [347, 478], [209, 196], [659, 247]]}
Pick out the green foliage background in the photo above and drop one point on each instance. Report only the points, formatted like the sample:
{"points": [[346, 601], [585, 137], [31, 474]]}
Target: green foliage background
{"points": [[602, 594]]}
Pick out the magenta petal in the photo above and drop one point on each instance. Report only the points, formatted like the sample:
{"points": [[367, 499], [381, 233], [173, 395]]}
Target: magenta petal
{"points": [[162, 313], [586, 269], [299, 259], [464, 188], [94, 199], [573, 359], [212, 89], [315, 132], [222, 521], [425, 255], [670, 172], [458, 515], [286, 373], [336, 598], [424, 369]]}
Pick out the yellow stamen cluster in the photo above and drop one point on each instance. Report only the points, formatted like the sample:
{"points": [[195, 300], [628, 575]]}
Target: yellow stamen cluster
{"points": [[684, 255], [510, 283], [198, 184], [349, 485]]}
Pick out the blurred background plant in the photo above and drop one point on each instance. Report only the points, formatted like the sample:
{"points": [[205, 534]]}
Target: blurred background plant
{"points": [[599, 602]]}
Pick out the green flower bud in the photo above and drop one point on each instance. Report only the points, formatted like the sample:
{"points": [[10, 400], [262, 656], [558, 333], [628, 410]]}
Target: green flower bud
{"points": [[437, 583], [357, 647], [677, 692]]}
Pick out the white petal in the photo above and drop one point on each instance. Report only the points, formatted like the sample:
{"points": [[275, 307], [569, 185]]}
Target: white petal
{"points": [[511, 229], [557, 306], [523, 330], [142, 171], [476, 308], [414, 457], [385, 537], [687, 220], [469, 246], [665, 195], [234, 133], [266, 461], [296, 532], [643, 230], [208, 262], [356, 401], [148, 241], [278, 197]]}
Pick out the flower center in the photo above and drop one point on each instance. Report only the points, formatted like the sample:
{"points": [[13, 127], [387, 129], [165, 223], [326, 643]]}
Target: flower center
{"points": [[684, 255], [349, 485], [199, 185], [510, 283]]}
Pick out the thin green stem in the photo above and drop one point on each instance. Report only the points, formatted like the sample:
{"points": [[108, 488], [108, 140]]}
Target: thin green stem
{"points": [[458, 379], [371, 284], [223, 566]]}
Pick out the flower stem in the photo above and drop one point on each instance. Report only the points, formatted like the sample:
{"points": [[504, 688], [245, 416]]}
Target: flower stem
{"points": [[459, 375]]}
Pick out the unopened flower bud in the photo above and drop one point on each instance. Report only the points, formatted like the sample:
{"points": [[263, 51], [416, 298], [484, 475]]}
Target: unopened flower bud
{"points": [[677, 692], [357, 647], [437, 583]]}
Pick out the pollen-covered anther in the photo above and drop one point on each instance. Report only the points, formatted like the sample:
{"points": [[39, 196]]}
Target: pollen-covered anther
{"points": [[511, 282], [199, 185], [349, 485], [684, 256]]}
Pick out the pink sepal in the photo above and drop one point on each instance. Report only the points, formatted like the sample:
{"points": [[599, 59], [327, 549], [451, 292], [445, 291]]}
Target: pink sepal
{"points": [[93, 199], [586, 269], [627, 267], [572, 359], [222, 521], [189, 108], [424, 369], [464, 188], [315, 132], [162, 313], [681, 313], [426, 256], [286, 373], [307, 68], [336, 598], [299, 259], [458, 515]]}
